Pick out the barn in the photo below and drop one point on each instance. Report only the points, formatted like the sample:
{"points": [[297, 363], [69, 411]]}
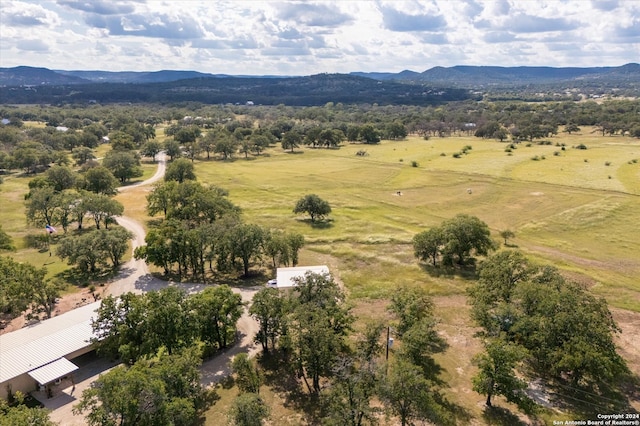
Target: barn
{"points": [[39, 355]]}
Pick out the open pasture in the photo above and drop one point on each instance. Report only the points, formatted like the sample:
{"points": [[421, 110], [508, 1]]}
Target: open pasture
{"points": [[560, 208]]}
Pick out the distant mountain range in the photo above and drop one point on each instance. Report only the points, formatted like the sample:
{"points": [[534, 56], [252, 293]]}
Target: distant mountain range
{"points": [[457, 76], [436, 85], [481, 76]]}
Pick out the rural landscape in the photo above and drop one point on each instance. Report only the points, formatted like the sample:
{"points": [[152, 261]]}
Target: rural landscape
{"points": [[482, 245]]}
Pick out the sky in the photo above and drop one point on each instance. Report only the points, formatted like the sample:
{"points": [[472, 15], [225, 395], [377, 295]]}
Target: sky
{"points": [[311, 37]]}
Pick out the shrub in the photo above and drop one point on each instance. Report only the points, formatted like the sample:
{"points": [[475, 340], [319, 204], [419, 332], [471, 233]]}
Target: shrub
{"points": [[556, 153], [607, 163], [581, 146], [507, 150], [443, 155], [37, 241], [457, 155], [414, 164]]}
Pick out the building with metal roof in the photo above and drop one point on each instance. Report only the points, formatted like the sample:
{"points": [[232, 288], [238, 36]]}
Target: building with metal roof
{"points": [[39, 354], [285, 277]]}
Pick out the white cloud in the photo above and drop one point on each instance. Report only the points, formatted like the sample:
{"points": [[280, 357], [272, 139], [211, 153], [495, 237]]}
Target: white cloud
{"points": [[308, 37]]}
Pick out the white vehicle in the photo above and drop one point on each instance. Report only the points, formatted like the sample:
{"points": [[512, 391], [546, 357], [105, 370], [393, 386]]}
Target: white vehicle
{"points": [[272, 283]]}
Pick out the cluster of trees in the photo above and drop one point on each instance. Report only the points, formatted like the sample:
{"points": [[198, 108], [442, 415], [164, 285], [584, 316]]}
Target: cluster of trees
{"points": [[203, 230], [23, 286], [61, 197], [161, 337], [134, 326], [160, 389], [537, 323], [454, 241], [311, 326]]}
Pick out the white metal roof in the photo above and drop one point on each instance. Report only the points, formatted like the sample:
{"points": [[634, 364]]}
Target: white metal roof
{"points": [[31, 347], [52, 371], [285, 276]]}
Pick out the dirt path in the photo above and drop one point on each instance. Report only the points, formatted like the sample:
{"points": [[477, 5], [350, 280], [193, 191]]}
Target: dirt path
{"points": [[135, 277]]}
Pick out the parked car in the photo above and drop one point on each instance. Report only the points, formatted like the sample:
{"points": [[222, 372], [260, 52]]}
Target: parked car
{"points": [[272, 283]]}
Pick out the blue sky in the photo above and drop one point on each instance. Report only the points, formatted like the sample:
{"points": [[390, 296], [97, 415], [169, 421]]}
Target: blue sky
{"points": [[310, 37]]}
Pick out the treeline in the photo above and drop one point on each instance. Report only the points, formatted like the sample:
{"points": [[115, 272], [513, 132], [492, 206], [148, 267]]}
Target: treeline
{"points": [[300, 91], [227, 130], [202, 233]]}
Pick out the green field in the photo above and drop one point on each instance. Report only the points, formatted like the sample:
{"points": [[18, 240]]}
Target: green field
{"points": [[581, 216]]}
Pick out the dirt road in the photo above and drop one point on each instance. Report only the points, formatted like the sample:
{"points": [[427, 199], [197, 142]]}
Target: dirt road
{"points": [[135, 277]]}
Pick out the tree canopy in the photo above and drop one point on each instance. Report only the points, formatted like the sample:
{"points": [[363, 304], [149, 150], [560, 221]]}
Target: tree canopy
{"points": [[314, 206]]}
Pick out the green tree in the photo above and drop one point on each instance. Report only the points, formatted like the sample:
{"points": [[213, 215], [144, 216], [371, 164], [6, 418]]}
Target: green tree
{"points": [[102, 208], [276, 247], [318, 324], [122, 141], [496, 375], [464, 235], [169, 321], [151, 149], [369, 134], [406, 393], [248, 409], [42, 204], [61, 178], [245, 243], [428, 244], [227, 145], [180, 170], [314, 206], [217, 311], [259, 143], [248, 376], [114, 243], [159, 391], [124, 165], [396, 130], [6, 243], [506, 234], [291, 140], [172, 148], [20, 415], [348, 399], [410, 306], [269, 308], [188, 134], [100, 180], [571, 128]]}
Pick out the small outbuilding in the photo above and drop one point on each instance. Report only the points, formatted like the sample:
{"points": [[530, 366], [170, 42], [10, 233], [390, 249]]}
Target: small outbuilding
{"points": [[285, 277]]}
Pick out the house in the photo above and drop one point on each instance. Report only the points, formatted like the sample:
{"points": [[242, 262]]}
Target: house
{"points": [[38, 355], [285, 277]]}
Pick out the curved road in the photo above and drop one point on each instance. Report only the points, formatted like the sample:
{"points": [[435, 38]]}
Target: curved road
{"points": [[135, 277]]}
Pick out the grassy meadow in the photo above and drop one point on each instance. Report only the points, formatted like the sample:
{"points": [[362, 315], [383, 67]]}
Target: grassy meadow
{"points": [[578, 215]]}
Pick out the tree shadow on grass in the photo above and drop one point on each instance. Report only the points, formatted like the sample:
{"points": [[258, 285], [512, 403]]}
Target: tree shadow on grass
{"points": [[318, 223], [280, 376], [467, 272], [449, 413], [589, 401], [78, 278], [501, 417]]}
